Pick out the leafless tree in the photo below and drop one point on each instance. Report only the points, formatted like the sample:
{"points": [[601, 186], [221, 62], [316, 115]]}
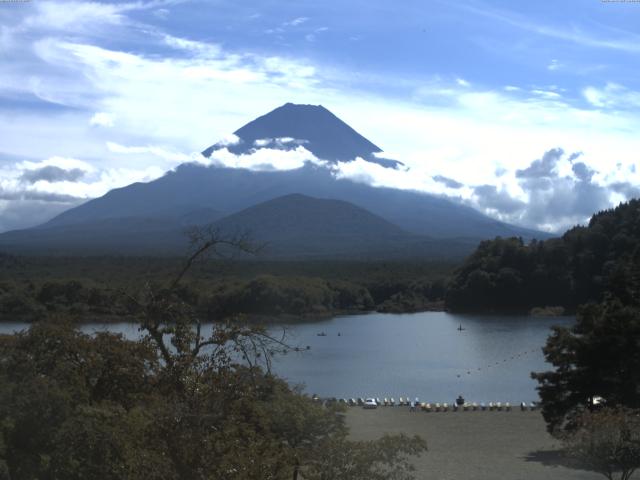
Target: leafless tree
{"points": [[607, 441]]}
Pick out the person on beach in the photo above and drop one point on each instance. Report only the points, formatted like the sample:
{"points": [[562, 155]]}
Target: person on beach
{"points": [[460, 401]]}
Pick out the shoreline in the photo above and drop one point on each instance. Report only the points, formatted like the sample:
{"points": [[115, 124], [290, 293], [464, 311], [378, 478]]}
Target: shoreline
{"points": [[284, 318]]}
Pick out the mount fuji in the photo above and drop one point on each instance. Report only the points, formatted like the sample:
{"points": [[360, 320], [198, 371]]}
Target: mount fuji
{"points": [[301, 213]]}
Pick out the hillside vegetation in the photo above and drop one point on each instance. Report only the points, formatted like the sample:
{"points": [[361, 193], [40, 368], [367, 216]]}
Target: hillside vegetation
{"points": [[506, 274], [90, 288]]}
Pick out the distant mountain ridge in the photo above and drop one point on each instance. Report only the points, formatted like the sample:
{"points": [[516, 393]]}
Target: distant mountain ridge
{"points": [[232, 189], [293, 226], [150, 217]]}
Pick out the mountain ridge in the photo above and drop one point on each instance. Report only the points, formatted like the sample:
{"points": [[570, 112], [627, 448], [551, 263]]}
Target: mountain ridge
{"points": [[293, 226]]}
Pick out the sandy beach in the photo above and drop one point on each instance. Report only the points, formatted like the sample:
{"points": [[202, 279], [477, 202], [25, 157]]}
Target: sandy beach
{"points": [[473, 445]]}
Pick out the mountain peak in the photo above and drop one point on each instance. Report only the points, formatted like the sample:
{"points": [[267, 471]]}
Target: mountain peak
{"points": [[312, 126]]}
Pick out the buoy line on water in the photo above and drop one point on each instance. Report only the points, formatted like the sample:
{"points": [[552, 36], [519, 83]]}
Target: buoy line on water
{"points": [[513, 357]]}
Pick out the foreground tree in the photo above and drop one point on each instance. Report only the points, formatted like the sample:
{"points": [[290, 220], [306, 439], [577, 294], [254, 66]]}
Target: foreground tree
{"points": [[178, 404], [607, 441], [598, 357]]}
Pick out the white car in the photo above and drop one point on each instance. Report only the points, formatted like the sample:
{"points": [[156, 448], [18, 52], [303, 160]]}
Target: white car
{"points": [[370, 403]]}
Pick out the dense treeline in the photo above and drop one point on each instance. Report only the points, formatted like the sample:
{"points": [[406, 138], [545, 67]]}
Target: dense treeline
{"points": [[31, 288], [509, 275]]}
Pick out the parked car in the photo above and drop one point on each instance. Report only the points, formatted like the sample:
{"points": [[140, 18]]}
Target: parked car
{"points": [[370, 403]]}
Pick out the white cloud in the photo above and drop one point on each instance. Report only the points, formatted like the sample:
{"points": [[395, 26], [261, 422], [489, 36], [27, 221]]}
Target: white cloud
{"points": [[546, 93], [625, 42], [56, 161], [228, 140], [612, 95], [281, 142], [297, 21], [265, 159], [75, 16], [101, 119], [554, 65], [163, 153]]}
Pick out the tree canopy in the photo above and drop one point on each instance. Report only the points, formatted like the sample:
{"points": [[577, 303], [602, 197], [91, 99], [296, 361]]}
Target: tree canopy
{"points": [[506, 274], [597, 357]]}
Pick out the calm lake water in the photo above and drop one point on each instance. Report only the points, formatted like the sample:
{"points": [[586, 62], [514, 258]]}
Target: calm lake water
{"points": [[417, 355]]}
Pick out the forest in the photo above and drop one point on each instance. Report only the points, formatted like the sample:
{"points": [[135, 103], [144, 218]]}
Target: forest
{"points": [[508, 275], [90, 288]]}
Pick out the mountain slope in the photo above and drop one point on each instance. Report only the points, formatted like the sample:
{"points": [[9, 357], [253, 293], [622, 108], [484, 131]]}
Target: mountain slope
{"points": [[295, 225], [230, 190], [299, 226], [292, 226], [296, 214], [126, 235], [314, 127]]}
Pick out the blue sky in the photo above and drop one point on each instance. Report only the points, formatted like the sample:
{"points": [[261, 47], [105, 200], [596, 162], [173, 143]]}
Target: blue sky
{"points": [[531, 108]]}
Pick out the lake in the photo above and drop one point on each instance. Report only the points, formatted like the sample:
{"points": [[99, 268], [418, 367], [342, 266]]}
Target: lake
{"points": [[417, 355]]}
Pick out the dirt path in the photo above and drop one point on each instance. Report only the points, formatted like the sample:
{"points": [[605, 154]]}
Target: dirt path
{"points": [[473, 445]]}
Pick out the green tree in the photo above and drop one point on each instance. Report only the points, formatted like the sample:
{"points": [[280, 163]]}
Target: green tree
{"points": [[597, 357]]}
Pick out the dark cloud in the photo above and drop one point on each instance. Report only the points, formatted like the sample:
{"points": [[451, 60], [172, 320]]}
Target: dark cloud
{"points": [[554, 201], [627, 189], [543, 167], [39, 196], [489, 197], [27, 209], [448, 182], [561, 201], [574, 156], [52, 174], [567, 202], [583, 172], [531, 184], [500, 171]]}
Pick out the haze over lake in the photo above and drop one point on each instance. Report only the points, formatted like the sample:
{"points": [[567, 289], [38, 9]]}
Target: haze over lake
{"points": [[419, 354]]}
